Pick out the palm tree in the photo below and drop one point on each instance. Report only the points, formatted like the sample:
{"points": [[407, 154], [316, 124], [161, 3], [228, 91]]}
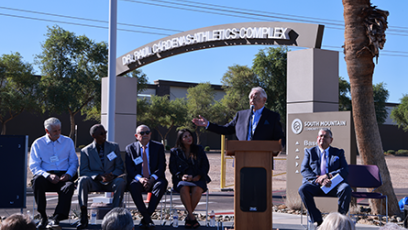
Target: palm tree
{"points": [[364, 36]]}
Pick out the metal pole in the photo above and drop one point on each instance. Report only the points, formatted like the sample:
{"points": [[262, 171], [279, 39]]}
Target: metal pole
{"points": [[223, 165], [112, 69]]}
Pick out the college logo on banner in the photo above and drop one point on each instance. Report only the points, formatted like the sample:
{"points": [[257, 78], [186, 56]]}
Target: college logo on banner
{"points": [[297, 126]]}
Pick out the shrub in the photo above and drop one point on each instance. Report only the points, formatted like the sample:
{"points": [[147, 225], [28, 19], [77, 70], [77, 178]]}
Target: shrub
{"points": [[207, 148], [402, 152], [391, 152], [294, 202]]}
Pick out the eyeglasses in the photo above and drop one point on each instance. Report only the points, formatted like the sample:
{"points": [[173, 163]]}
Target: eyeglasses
{"points": [[144, 132], [103, 133]]}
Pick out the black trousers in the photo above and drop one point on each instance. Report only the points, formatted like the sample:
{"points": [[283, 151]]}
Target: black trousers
{"points": [[65, 191], [158, 189]]}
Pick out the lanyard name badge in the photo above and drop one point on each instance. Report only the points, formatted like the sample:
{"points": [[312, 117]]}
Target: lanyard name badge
{"points": [[138, 160], [54, 159], [111, 156]]}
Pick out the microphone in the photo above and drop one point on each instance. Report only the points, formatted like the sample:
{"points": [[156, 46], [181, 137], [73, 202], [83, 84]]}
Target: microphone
{"points": [[252, 108]]}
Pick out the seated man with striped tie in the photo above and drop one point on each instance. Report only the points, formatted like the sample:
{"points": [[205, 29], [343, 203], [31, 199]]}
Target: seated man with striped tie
{"points": [[319, 165], [145, 166], [101, 166]]}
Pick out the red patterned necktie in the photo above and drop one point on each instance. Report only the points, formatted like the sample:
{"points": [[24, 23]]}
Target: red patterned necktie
{"points": [[145, 166]]}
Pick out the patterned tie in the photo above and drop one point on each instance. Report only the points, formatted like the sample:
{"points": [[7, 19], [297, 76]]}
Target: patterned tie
{"points": [[145, 166], [101, 155], [250, 133], [323, 163]]}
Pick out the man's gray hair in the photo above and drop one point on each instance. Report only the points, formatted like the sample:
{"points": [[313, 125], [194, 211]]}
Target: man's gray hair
{"points": [[327, 131], [260, 90], [142, 126], [118, 219], [50, 122], [337, 221]]}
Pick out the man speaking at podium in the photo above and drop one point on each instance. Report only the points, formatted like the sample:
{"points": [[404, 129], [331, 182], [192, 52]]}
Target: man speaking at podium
{"points": [[256, 123]]}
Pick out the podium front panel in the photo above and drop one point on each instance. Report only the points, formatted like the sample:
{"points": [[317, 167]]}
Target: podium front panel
{"points": [[253, 189]]}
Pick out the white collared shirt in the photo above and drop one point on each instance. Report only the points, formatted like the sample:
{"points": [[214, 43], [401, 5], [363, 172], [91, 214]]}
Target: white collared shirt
{"points": [[44, 151]]}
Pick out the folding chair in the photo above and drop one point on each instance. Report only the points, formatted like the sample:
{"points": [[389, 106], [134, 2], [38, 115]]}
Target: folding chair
{"points": [[172, 192], [366, 176]]}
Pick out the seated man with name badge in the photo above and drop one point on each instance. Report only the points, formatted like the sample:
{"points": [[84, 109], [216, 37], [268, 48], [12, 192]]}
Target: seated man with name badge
{"points": [[321, 165], [54, 164], [100, 167]]}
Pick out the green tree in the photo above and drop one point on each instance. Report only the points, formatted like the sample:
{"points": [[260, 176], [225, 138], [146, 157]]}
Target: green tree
{"points": [[72, 67], [270, 67], [18, 86], [380, 97], [142, 79], [161, 112], [237, 83], [344, 98], [400, 113], [200, 100]]}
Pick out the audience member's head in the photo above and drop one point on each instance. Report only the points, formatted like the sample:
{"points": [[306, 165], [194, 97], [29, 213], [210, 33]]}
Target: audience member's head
{"points": [[118, 219], [337, 221], [18, 222], [391, 226]]}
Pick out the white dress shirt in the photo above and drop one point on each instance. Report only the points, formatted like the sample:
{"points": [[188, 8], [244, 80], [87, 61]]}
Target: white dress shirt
{"points": [[47, 155]]}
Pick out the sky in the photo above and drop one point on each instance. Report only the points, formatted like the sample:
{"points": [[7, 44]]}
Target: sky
{"points": [[23, 26]]}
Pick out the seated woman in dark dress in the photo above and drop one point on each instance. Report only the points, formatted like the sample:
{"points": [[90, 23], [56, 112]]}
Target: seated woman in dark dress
{"points": [[189, 167]]}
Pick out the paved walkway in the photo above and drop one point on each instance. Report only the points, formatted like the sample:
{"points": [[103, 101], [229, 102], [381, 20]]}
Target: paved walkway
{"points": [[220, 202]]}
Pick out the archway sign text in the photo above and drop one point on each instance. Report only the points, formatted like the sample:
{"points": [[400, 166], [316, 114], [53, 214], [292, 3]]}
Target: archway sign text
{"points": [[253, 33]]}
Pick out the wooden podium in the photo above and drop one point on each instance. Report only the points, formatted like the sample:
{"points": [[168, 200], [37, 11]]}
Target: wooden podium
{"points": [[253, 182]]}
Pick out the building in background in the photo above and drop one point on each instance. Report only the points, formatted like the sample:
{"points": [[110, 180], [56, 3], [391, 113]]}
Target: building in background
{"points": [[31, 124]]}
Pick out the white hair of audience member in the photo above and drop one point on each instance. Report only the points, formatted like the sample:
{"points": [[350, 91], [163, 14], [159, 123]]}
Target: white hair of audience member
{"points": [[50, 122], [337, 221], [118, 219], [391, 226]]}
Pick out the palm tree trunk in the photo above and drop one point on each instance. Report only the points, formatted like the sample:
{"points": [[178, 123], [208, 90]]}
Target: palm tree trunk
{"points": [[360, 68]]}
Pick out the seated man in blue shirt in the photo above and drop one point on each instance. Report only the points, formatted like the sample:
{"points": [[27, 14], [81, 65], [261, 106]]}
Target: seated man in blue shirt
{"points": [[54, 163]]}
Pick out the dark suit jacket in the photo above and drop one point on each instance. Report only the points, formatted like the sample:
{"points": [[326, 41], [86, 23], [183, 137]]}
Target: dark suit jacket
{"points": [[311, 163], [268, 128], [179, 164], [91, 164], [157, 160]]}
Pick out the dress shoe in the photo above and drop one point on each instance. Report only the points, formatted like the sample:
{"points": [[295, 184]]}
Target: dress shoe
{"points": [[54, 221], [150, 225], [143, 224], [43, 224], [83, 223]]}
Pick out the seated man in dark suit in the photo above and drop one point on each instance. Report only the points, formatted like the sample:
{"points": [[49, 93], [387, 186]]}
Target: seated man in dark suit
{"points": [[145, 166], [319, 165], [100, 166], [256, 123]]}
